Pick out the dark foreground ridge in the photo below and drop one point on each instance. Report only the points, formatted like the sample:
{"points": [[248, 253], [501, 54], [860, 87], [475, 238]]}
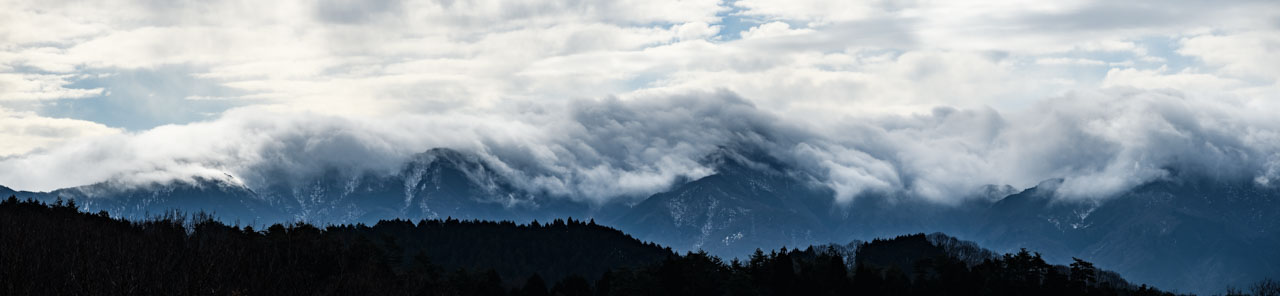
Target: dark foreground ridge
{"points": [[56, 249]]}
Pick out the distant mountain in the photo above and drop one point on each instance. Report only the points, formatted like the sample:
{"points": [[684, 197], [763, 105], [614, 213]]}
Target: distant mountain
{"points": [[753, 200], [1183, 233], [1194, 236], [438, 183], [750, 202], [226, 199]]}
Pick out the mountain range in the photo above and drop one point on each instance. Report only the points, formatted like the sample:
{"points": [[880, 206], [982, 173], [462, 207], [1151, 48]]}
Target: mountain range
{"points": [[1183, 234]]}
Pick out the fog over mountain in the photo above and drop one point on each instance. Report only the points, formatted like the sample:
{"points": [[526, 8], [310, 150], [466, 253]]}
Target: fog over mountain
{"points": [[1101, 142], [598, 101], [1081, 128]]}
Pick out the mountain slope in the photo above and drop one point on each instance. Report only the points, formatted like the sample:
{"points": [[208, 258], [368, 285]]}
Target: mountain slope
{"points": [[438, 183], [221, 197], [750, 202], [1194, 236]]}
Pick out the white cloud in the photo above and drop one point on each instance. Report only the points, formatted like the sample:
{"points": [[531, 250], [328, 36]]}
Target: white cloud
{"points": [[695, 31], [893, 96], [32, 87], [1070, 61], [1248, 55], [1160, 79], [773, 29], [24, 132], [813, 10], [1102, 142]]}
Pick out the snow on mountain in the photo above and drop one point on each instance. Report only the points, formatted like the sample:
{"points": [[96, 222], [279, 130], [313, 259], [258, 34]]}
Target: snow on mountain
{"points": [[1187, 234]]}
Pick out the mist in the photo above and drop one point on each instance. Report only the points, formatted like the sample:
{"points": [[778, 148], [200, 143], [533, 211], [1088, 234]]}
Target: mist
{"points": [[1102, 142]]}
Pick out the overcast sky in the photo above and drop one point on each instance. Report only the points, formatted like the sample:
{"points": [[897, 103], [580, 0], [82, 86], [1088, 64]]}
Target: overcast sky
{"points": [[598, 99]]}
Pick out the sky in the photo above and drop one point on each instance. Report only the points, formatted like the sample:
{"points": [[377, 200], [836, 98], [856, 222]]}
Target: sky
{"points": [[596, 100]]}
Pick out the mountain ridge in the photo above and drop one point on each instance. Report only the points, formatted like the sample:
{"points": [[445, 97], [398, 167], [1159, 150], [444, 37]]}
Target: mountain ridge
{"points": [[753, 200]]}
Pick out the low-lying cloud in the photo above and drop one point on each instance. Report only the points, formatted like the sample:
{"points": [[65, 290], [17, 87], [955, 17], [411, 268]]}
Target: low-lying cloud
{"points": [[603, 101], [1102, 142]]}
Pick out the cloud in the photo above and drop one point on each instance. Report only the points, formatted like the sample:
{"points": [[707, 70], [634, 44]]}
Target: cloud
{"points": [[603, 100], [773, 29], [1102, 142], [385, 57], [1161, 79], [1247, 55], [1111, 140], [369, 57], [25, 132], [1069, 61], [34, 87], [597, 150], [814, 11]]}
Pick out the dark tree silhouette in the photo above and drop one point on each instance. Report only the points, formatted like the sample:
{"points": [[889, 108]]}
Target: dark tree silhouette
{"points": [[1266, 287], [56, 249]]}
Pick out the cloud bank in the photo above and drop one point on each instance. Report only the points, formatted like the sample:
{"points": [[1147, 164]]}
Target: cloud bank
{"points": [[1102, 142], [606, 100]]}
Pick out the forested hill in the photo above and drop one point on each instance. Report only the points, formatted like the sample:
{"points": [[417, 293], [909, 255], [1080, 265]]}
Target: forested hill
{"points": [[56, 249], [553, 250], [175, 254]]}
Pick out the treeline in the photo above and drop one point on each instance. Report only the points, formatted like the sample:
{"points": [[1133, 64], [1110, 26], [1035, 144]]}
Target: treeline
{"points": [[906, 265], [56, 249]]}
